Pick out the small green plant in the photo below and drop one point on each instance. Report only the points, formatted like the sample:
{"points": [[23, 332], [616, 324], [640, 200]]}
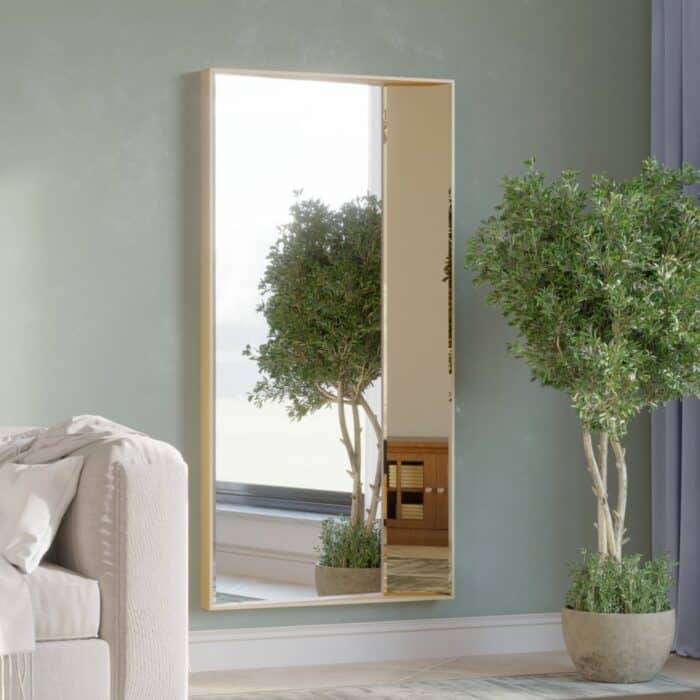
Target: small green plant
{"points": [[349, 545], [602, 584]]}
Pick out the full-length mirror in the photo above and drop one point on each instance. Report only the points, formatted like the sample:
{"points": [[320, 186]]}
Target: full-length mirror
{"points": [[326, 340]]}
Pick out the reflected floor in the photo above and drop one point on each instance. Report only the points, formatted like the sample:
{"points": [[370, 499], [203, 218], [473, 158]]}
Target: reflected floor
{"points": [[417, 569], [407, 570], [245, 589]]}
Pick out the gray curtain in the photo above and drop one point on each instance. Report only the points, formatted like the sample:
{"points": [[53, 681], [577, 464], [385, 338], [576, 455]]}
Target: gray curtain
{"points": [[675, 139]]}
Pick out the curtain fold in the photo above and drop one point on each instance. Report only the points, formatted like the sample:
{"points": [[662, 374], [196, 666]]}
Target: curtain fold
{"points": [[675, 139]]}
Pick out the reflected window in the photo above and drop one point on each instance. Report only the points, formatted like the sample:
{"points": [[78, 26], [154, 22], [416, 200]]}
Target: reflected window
{"points": [[279, 143]]}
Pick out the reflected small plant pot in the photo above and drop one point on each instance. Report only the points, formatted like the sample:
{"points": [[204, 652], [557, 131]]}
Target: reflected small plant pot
{"points": [[618, 647], [335, 580]]}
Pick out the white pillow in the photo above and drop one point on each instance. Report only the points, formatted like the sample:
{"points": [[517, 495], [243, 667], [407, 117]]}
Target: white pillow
{"points": [[33, 500]]}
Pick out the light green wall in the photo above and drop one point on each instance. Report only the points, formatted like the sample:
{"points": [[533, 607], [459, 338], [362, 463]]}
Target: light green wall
{"points": [[99, 209]]}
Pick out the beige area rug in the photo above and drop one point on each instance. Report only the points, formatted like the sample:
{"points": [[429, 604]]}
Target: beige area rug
{"points": [[564, 686]]}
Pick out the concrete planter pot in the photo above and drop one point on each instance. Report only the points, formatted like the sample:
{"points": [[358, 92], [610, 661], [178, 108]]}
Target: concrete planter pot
{"points": [[335, 580], [618, 648]]}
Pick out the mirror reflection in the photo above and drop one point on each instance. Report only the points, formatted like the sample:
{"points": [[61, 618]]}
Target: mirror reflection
{"points": [[331, 338], [417, 333]]}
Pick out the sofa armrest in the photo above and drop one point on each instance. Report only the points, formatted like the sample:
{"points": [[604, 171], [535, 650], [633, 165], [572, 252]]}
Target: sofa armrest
{"points": [[127, 528]]}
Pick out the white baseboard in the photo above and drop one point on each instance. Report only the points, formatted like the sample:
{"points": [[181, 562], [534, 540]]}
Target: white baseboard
{"points": [[267, 564], [307, 645], [248, 543]]}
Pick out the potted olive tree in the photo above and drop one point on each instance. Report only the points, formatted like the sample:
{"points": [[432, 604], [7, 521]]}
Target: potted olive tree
{"points": [[603, 288], [321, 297]]}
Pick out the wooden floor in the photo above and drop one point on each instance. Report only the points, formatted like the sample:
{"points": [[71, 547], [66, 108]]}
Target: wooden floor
{"points": [[414, 569], [333, 676], [244, 589]]}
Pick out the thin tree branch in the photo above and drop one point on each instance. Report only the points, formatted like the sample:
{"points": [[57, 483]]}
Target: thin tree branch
{"points": [[326, 394], [603, 467], [344, 426], [372, 417], [376, 485]]}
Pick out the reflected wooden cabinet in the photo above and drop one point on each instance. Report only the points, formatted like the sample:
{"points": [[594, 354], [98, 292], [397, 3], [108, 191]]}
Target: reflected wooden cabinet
{"points": [[416, 499]]}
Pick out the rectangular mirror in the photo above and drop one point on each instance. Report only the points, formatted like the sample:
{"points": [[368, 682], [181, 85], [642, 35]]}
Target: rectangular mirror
{"points": [[327, 416]]}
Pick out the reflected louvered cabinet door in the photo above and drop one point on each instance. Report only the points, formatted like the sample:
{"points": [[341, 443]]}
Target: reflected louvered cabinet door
{"points": [[390, 490], [437, 502], [411, 480], [404, 491], [415, 497]]}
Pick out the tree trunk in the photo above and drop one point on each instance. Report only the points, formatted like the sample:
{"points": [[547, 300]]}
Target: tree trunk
{"points": [[621, 509], [603, 466], [376, 485], [357, 501], [601, 494], [353, 457], [358, 496]]}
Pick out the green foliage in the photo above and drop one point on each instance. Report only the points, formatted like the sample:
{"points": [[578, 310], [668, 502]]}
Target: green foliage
{"points": [[321, 297], [602, 584], [346, 545], [602, 286]]}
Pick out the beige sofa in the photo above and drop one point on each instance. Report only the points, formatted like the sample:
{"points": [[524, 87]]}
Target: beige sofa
{"points": [[110, 602]]}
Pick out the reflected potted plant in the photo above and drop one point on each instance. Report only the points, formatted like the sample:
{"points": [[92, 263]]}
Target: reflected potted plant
{"points": [[350, 557], [603, 289], [322, 300]]}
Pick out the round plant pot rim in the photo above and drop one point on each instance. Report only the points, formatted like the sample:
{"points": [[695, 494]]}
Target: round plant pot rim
{"points": [[348, 568], [565, 609]]}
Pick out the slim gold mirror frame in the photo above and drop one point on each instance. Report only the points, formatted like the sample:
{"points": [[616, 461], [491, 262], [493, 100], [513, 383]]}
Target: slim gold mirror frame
{"points": [[207, 349]]}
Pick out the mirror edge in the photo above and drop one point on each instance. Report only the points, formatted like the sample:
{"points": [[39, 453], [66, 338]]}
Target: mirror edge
{"points": [[206, 360]]}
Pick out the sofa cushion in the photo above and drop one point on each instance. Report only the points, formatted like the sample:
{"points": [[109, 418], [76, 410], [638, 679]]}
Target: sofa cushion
{"points": [[66, 605], [75, 669]]}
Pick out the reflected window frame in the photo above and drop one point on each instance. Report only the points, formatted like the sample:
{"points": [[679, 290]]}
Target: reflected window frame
{"points": [[283, 498]]}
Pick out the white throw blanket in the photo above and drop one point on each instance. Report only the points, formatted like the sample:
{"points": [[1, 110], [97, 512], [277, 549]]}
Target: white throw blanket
{"points": [[64, 439], [17, 639], [16, 634], [16, 613]]}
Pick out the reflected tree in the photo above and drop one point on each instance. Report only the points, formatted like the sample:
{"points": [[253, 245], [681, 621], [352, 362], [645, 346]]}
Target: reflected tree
{"points": [[321, 297]]}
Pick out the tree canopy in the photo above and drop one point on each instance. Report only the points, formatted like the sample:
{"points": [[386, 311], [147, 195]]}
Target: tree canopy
{"points": [[321, 298], [602, 286]]}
